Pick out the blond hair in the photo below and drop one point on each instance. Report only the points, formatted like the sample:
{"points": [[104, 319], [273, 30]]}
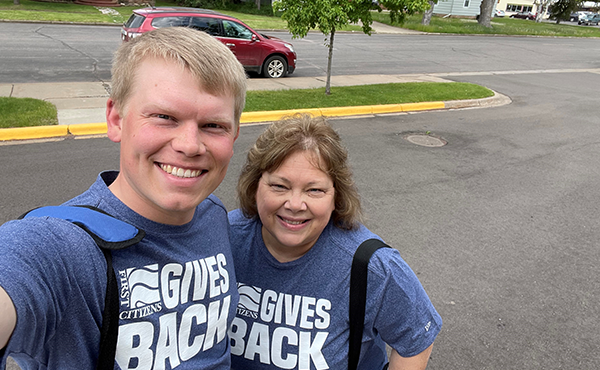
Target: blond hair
{"points": [[212, 63], [302, 132]]}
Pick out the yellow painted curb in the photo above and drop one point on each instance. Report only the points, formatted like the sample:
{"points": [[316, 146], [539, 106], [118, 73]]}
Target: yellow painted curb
{"points": [[39, 132], [274, 115], [268, 116], [88, 129], [423, 106], [25, 133], [346, 111], [387, 108]]}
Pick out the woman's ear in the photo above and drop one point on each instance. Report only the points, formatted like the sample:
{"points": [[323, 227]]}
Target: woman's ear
{"points": [[114, 121]]}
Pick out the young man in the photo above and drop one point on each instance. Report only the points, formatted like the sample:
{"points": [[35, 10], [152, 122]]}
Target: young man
{"points": [[175, 107]]}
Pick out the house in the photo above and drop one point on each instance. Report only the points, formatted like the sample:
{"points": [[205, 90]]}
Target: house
{"points": [[470, 8], [457, 8], [517, 6]]}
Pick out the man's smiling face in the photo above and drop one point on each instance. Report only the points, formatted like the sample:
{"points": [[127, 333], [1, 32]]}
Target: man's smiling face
{"points": [[176, 142]]}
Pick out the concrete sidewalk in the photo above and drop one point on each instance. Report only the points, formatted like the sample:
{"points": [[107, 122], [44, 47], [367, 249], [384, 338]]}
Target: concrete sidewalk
{"points": [[81, 105], [85, 102]]}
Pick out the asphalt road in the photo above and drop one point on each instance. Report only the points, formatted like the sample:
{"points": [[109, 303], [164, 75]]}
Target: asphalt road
{"points": [[500, 225], [67, 53]]}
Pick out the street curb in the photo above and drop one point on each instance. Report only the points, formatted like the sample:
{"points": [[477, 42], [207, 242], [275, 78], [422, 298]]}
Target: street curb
{"points": [[269, 116], [85, 129]]}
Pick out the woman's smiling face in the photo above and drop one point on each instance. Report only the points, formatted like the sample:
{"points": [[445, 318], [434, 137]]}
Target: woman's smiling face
{"points": [[294, 203]]}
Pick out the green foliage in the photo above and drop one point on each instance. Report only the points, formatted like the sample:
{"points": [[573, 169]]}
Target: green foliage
{"points": [[26, 112], [346, 96], [562, 9], [331, 15], [245, 7]]}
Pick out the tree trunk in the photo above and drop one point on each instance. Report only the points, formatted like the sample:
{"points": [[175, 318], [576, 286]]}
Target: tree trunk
{"points": [[329, 58], [427, 14], [17, 2], [540, 11], [485, 13], [258, 4]]}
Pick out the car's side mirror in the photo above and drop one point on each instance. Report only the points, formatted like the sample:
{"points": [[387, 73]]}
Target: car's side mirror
{"points": [[254, 38]]}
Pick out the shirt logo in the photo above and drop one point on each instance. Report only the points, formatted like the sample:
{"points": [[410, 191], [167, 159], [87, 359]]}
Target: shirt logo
{"points": [[283, 330]]}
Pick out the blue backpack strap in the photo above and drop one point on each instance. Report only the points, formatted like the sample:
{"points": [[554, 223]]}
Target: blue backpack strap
{"points": [[109, 234], [107, 231]]}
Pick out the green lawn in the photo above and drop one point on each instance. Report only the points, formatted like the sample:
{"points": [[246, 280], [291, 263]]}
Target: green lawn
{"points": [[500, 26], [347, 96], [25, 112]]}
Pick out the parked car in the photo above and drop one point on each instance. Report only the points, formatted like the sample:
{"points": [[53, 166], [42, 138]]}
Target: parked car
{"points": [[499, 13], [590, 19], [577, 16], [267, 55], [523, 15]]}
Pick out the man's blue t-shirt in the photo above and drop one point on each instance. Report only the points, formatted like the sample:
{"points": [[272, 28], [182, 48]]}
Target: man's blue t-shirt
{"points": [[177, 289], [294, 315]]}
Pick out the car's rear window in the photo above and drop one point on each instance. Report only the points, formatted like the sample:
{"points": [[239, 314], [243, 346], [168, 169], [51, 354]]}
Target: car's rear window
{"points": [[161, 22], [135, 21]]}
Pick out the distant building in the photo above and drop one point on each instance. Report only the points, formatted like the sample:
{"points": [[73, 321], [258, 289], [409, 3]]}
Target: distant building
{"points": [[470, 8], [457, 8]]}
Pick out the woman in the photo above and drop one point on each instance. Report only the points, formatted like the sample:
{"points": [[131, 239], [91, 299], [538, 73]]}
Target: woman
{"points": [[293, 240]]}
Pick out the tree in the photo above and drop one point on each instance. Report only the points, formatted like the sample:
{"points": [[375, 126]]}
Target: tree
{"points": [[485, 13], [17, 2], [428, 13], [562, 9], [328, 16], [542, 7]]}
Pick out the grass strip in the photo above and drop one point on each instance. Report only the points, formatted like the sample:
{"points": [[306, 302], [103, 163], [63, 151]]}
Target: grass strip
{"points": [[26, 112], [348, 96], [500, 26]]}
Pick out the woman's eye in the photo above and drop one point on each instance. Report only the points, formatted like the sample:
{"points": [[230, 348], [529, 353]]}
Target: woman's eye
{"points": [[317, 192], [278, 187]]}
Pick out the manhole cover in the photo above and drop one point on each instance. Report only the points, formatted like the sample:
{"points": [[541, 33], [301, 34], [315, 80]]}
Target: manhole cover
{"points": [[425, 140]]}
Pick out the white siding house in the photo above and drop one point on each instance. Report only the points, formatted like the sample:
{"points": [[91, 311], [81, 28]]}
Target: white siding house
{"points": [[457, 8]]}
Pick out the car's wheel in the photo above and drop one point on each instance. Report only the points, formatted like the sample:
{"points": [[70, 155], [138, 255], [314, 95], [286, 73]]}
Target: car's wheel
{"points": [[275, 67]]}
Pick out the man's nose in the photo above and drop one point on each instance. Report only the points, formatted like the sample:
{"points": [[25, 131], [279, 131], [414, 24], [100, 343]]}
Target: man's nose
{"points": [[189, 140]]}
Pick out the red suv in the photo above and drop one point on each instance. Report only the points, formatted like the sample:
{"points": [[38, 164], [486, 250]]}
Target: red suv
{"points": [[258, 53]]}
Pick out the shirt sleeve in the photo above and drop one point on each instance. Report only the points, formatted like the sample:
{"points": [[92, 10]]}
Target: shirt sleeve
{"points": [[43, 268], [397, 305]]}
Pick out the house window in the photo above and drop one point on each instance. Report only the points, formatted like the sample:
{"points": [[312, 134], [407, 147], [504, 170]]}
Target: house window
{"points": [[466, 4], [518, 8]]}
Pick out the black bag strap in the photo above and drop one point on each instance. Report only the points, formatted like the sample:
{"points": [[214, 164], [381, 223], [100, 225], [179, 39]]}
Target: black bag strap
{"points": [[358, 296], [109, 331], [109, 234]]}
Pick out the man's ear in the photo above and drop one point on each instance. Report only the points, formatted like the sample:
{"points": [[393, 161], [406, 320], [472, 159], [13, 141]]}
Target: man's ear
{"points": [[237, 133], [114, 121]]}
